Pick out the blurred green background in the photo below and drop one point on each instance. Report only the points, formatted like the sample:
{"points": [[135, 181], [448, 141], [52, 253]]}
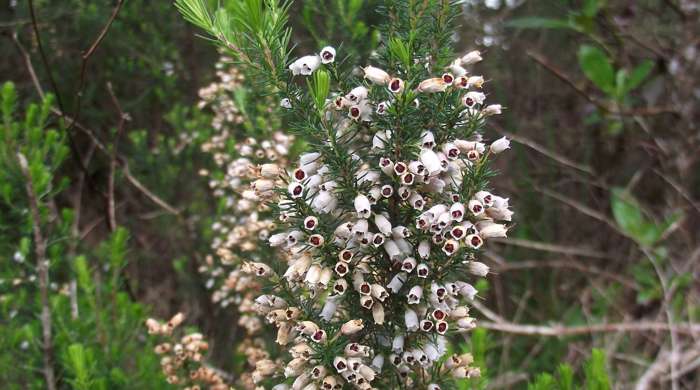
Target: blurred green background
{"points": [[601, 100]]}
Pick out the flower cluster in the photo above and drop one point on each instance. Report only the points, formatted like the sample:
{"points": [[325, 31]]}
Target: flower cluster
{"points": [[247, 172], [382, 224], [182, 359]]}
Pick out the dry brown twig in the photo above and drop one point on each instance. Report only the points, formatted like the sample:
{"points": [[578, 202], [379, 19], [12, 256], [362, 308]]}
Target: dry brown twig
{"points": [[566, 264], [123, 117], [647, 111], [560, 330]]}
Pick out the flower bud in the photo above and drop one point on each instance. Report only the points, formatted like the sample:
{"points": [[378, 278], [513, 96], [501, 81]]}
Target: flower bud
{"points": [[362, 206], [357, 94], [378, 363], [408, 264], [376, 75], [396, 85], [476, 81], [441, 327], [500, 145], [476, 207], [473, 98], [387, 191], [286, 103], [366, 302], [489, 229], [383, 224], [411, 320], [422, 271], [327, 55], [305, 65], [416, 201], [431, 161], [450, 247], [351, 327], [341, 269], [316, 240], [340, 286], [433, 85], [378, 313], [424, 249], [296, 190], [471, 58], [269, 171], [397, 282], [491, 109], [340, 364], [478, 269], [466, 290], [414, 295], [392, 249]]}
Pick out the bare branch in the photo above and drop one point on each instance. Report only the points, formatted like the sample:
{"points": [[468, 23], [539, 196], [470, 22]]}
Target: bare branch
{"points": [[646, 111], [559, 330], [43, 271]]}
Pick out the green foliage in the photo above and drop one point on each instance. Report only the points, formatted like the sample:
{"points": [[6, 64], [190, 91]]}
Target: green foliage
{"points": [[595, 376], [253, 32], [543, 381], [596, 373], [597, 61], [319, 88], [597, 67], [95, 325], [630, 217]]}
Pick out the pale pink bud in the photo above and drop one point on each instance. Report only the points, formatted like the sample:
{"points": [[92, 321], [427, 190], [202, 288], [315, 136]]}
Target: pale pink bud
{"points": [[397, 282], [478, 269], [383, 224], [376, 75], [362, 206], [500, 145], [471, 58], [432, 85], [357, 94], [488, 229], [411, 320], [431, 161], [492, 109], [378, 313], [414, 295], [351, 327]]}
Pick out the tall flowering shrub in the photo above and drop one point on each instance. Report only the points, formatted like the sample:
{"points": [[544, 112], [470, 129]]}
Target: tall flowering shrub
{"points": [[247, 171], [381, 220]]}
